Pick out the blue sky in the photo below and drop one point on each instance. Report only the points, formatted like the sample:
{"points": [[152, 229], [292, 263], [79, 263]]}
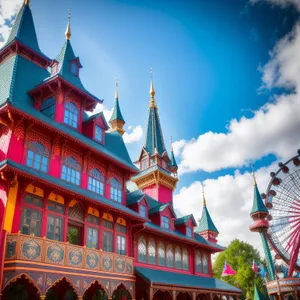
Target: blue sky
{"points": [[219, 67]]}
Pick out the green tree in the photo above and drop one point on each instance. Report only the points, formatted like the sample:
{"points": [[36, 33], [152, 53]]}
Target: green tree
{"points": [[239, 255]]}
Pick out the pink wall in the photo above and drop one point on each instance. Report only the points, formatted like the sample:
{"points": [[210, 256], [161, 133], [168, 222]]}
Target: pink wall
{"points": [[16, 148], [151, 191], [5, 136], [160, 193]]}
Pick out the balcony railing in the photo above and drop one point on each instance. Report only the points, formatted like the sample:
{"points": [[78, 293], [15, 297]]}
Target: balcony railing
{"points": [[37, 249]]}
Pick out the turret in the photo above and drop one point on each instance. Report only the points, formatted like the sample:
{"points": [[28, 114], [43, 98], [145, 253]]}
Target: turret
{"points": [[116, 121], [206, 227], [157, 177], [259, 214], [173, 165]]}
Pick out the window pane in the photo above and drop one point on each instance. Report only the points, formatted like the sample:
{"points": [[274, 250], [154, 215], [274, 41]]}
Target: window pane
{"points": [[178, 257], [121, 245], [31, 222], [142, 250], [185, 259], [205, 263], [151, 252], [161, 254], [71, 114], [92, 238], [170, 257], [107, 241], [198, 262]]}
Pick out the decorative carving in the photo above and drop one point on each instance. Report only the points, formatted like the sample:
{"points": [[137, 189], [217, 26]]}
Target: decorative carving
{"points": [[19, 132]]}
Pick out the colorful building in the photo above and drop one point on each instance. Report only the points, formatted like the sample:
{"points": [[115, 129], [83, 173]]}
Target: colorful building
{"points": [[80, 220]]}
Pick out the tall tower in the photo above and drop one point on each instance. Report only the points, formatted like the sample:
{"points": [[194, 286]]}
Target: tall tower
{"points": [[259, 214], [158, 176], [206, 227]]}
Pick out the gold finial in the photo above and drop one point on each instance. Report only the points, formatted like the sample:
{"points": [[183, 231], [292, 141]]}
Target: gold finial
{"points": [[171, 143], [68, 31], [253, 174], [27, 2], [117, 87], [203, 195], [152, 91]]}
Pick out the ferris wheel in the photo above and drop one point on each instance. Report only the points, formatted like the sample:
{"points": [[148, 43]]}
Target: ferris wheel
{"points": [[283, 202]]}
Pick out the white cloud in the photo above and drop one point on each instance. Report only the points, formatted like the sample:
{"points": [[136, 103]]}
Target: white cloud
{"points": [[273, 129], [8, 11], [101, 107], [229, 201], [282, 3], [134, 136]]}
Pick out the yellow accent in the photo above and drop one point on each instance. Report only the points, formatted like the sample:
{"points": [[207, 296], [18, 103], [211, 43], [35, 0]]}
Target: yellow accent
{"points": [[27, 2], [117, 88], [121, 221], [254, 178], [107, 217], [72, 203], [68, 30], [204, 201], [10, 206], [152, 92], [35, 190], [93, 211], [56, 198]]}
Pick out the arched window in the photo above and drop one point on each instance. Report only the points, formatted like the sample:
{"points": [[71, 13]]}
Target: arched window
{"points": [[142, 249], [37, 157], [170, 256], [71, 171], [161, 254], [151, 252], [185, 259], [96, 182], [205, 263], [71, 115], [48, 107], [116, 190], [198, 262], [178, 258]]}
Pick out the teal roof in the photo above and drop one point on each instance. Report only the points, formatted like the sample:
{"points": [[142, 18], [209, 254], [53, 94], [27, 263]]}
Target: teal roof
{"points": [[154, 136], [159, 208], [15, 83], [257, 294], [258, 205], [64, 58], [184, 219], [134, 197], [206, 222], [71, 187], [159, 277], [116, 115], [172, 160], [23, 30]]}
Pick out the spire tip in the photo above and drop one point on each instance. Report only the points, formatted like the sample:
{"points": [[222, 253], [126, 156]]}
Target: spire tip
{"points": [[203, 195], [68, 30], [27, 2], [152, 91], [117, 88], [253, 174]]}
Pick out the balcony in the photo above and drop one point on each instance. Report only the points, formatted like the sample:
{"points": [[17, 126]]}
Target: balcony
{"points": [[20, 248]]}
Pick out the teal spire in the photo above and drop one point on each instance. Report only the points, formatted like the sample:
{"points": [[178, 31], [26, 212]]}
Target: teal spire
{"points": [[257, 294], [173, 163], [268, 256], [154, 138], [258, 204], [206, 223], [23, 30], [117, 115]]}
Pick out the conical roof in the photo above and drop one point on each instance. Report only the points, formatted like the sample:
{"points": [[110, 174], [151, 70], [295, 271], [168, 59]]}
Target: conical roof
{"points": [[173, 162], [206, 223], [23, 30], [117, 115], [258, 205]]}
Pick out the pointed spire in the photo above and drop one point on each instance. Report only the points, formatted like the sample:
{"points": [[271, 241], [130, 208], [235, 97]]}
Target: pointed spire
{"points": [[152, 91], [117, 121], [203, 195], [27, 2], [68, 30], [258, 204], [172, 165], [117, 88]]}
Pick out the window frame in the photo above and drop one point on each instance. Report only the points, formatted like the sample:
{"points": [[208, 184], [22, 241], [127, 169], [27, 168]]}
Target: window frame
{"points": [[96, 134], [144, 214], [189, 232], [68, 166], [93, 226], [74, 63], [68, 109], [100, 180], [35, 148], [165, 221], [115, 187], [34, 208], [122, 236], [110, 231], [42, 110], [142, 240]]}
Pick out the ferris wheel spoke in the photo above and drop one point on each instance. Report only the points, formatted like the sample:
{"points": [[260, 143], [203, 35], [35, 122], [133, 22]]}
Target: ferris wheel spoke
{"points": [[287, 191], [294, 235], [294, 256]]}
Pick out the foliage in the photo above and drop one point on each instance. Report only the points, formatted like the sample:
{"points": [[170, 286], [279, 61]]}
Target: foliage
{"points": [[240, 255]]}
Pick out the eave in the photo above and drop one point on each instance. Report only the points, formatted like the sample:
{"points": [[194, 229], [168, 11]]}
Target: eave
{"points": [[70, 137], [10, 166], [61, 82], [155, 177], [16, 47]]}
